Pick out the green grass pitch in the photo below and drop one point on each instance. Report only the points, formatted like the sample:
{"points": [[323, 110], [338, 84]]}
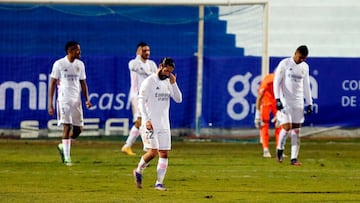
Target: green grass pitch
{"points": [[31, 171]]}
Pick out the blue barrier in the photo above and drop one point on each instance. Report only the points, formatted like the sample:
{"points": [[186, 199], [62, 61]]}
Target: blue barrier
{"points": [[229, 90]]}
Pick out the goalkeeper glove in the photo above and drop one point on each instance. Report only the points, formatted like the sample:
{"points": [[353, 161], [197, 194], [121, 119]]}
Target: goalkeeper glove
{"points": [[279, 105], [258, 123], [309, 109]]}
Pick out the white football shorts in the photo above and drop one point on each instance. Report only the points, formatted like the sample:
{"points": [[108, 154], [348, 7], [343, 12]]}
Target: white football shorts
{"points": [[158, 139], [293, 113], [70, 113]]}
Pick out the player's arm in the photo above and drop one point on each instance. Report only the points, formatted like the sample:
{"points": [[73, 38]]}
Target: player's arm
{"points": [[307, 90], [85, 91], [307, 93], [257, 120], [133, 83], [142, 98], [259, 99], [175, 90], [51, 93], [278, 78]]}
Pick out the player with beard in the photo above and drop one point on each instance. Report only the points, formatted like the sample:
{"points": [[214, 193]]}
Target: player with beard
{"points": [[140, 68], [154, 103]]}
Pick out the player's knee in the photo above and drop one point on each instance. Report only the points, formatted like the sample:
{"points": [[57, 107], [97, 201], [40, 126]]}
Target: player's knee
{"points": [[76, 132], [286, 126], [163, 154], [154, 153], [137, 123]]}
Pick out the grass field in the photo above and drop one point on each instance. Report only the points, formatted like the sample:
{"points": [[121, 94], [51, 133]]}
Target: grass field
{"points": [[31, 171]]}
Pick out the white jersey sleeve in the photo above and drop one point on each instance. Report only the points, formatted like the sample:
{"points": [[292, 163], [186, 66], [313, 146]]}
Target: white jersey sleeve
{"points": [[176, 93], [278, 79], [143, 98], [307, 90]]}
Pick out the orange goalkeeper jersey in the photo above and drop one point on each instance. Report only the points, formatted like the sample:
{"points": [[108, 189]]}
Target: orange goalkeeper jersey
{"points": [[266, 89]]}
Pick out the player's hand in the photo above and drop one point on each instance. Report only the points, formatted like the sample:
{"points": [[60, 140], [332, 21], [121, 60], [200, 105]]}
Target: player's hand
{"points": [[88, 104], [275, 120], [279, 105], [51, 110], [258, 122], [148, 125], [172, 78], [149, 130], [309, 109]]}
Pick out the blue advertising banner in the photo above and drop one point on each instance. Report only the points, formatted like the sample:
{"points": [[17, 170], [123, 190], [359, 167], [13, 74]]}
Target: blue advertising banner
{"points": [[228, 93], [230, 89], [24, 90]]}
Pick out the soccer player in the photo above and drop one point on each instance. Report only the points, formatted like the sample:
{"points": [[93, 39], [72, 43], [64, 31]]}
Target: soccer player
{"points": [[154, 104], [291, 86], [140, 68], [266, 105], [68, 74]]}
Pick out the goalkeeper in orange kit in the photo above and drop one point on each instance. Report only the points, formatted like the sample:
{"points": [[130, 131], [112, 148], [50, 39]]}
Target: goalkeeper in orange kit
{"points": [[266, 104]]}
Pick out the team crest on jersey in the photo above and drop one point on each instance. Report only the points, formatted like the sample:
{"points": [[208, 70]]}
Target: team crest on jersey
{"points": [[77, 69]]}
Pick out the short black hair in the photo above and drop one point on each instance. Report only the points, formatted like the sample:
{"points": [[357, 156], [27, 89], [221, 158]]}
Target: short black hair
{"points": [[303, 50], [70, 44], [141, 44], [167, 61]]}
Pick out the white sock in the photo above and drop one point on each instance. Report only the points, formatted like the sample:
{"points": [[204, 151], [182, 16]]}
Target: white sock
{"points": [[282, 138], [161, 170], [133, 135], [142, 165], [295, 143], [66, 143]]}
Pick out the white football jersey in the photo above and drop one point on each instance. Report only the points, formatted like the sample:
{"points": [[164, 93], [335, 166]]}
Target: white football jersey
{"points": [[291, 82], [138, 72], [154, 101], [68, 75]]}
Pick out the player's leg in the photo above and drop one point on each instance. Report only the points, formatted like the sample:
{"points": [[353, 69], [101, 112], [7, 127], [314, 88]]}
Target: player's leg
{"points": [[295, 144], [133, 135], [164, 138], [264, 132], [66, 144], [277, 128], [161, 169], [151, 143], [134, 131], [277, 132], [264, 129], [77, 120], [75, 132], [64, 119], [285, 122], [298, 118]]}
